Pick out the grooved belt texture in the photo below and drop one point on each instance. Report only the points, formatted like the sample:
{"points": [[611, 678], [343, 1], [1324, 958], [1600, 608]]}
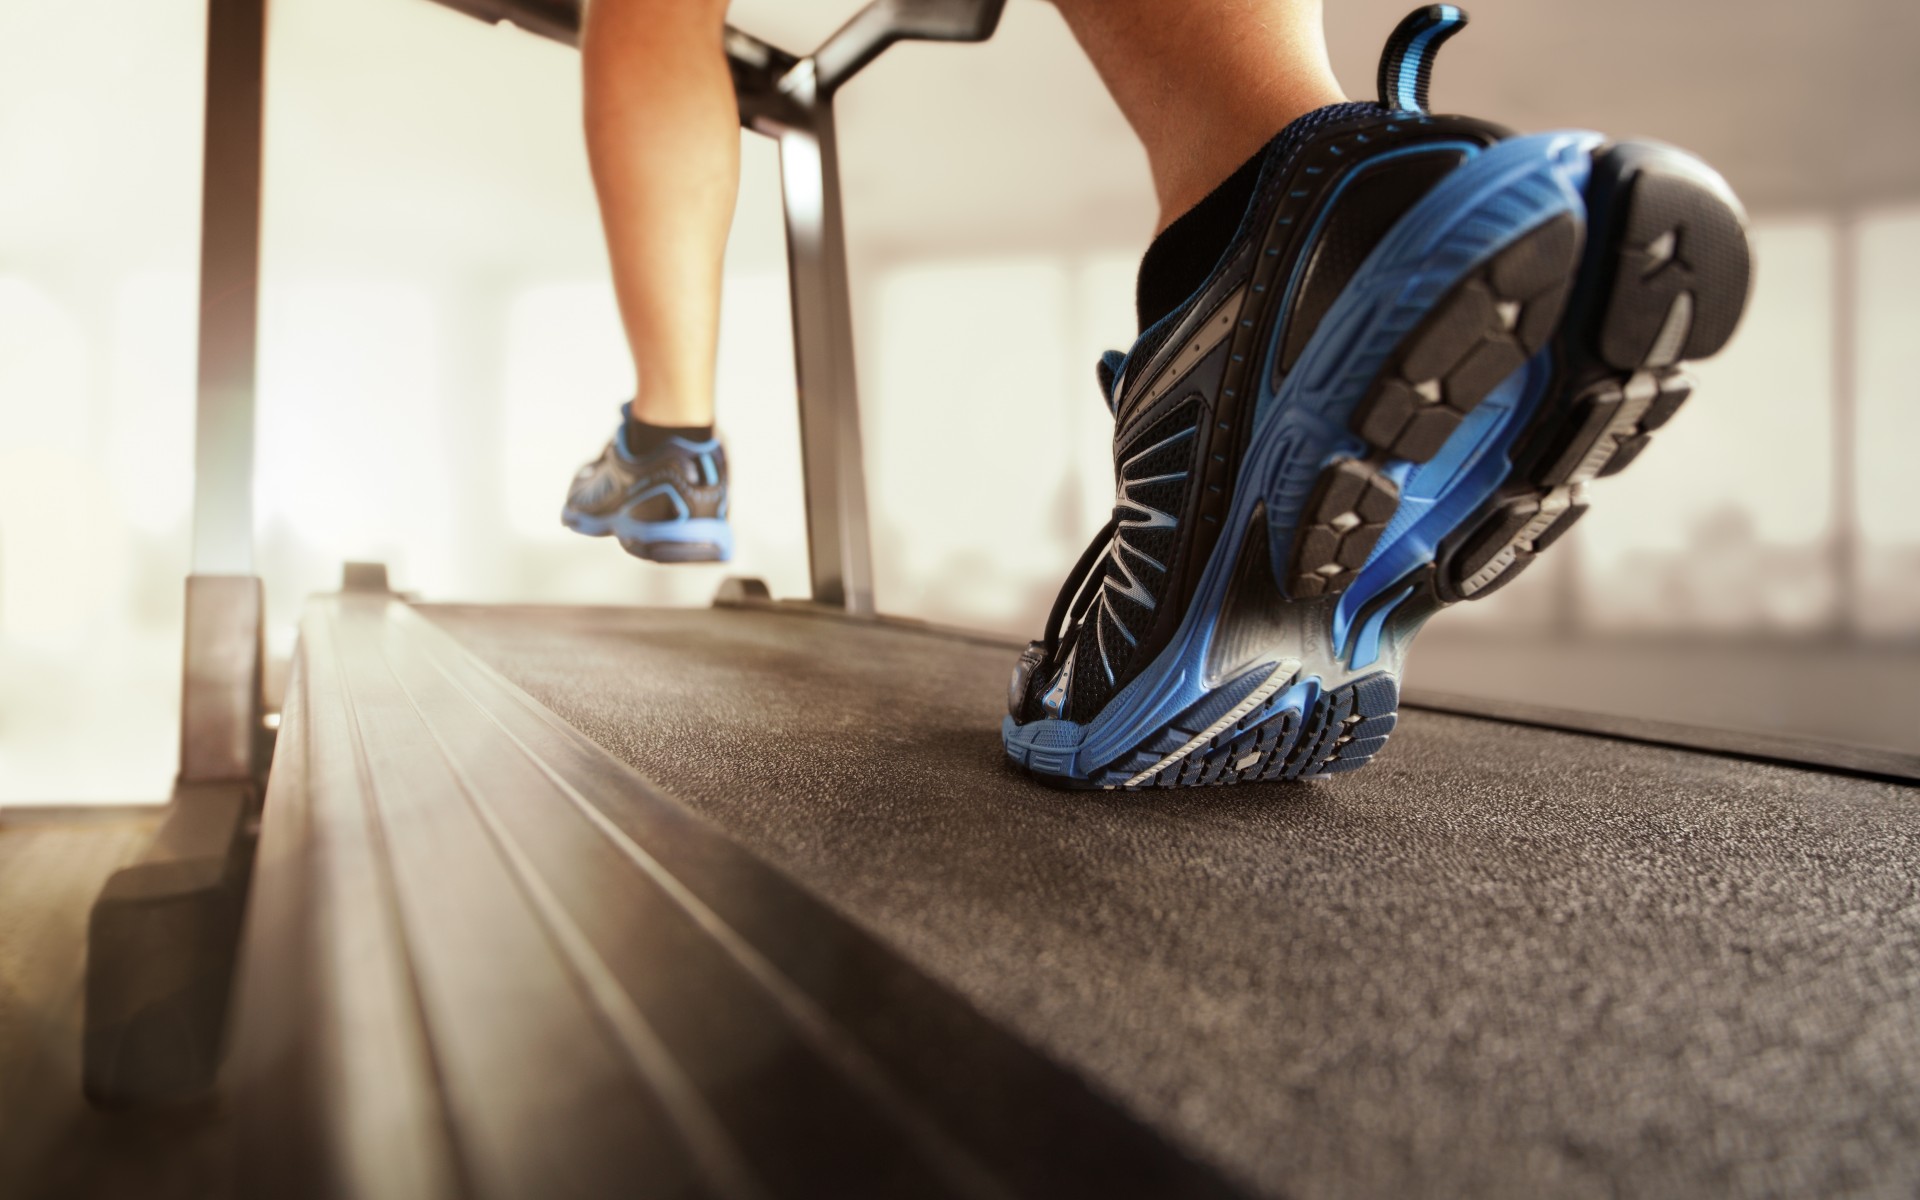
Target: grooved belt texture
{"points": [[1500, 961]]}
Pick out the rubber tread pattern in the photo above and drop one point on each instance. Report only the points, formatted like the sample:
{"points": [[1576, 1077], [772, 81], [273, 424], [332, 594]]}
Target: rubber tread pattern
{"points": [[1329, 733], [1349, 509], [1482, 332], [1591, 419], [1509, 537], [1683, 256], [1677, 269]]}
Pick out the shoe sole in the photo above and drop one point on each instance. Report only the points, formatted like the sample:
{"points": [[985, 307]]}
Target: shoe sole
{"points": [[1542, 364], [677, 552], [698, 540]]}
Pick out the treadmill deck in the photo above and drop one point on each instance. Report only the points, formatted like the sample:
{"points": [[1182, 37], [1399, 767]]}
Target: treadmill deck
{"points": [[1501, 960]]}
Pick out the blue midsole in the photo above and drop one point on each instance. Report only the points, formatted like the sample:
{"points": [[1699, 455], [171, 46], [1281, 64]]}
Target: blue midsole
{"points": [[1482, 207], [714, 530]]}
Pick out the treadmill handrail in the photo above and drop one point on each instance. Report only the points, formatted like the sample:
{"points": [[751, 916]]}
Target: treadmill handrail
{"points": [[884, 22], [861, 40], [556, 19]]}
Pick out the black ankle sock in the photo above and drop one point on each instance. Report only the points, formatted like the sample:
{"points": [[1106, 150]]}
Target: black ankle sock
{"points": [[1184, 254], [643, 438]]}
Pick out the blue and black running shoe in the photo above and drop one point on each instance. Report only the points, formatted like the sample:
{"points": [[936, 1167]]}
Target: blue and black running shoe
{"points": [[668, 504], [1424, 341]]}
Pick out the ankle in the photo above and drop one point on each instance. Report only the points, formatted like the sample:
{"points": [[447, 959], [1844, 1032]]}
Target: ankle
{"points": [[1186, 172]]}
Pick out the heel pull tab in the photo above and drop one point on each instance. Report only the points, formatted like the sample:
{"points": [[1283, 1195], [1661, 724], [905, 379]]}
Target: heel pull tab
{"points": [[1406, 65]]}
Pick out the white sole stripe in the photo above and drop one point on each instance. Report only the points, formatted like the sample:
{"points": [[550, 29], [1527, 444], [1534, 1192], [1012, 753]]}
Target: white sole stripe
{"points": [[1283, 674]]}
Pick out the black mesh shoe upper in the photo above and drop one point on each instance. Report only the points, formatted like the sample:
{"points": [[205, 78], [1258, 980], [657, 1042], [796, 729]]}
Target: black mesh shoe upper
{"points": [[672, 482]]}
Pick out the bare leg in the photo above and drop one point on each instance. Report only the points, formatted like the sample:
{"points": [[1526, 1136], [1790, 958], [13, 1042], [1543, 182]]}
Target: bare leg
{"points": [[1205, 83], [663, 135]]}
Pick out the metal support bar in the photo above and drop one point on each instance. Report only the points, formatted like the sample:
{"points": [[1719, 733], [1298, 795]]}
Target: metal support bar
{"points": [[220, 700], [229, 288], [840, 550]]}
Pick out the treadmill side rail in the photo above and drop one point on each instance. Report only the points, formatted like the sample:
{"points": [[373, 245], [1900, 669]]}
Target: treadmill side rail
{"points": [[840, 553], [484, 957]]}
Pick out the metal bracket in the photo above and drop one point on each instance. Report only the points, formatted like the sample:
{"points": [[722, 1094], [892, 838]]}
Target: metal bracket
{"points": [[220, 702]]}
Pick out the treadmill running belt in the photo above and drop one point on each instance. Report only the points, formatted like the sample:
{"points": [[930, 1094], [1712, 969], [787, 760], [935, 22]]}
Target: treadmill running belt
{"points": [[1503, 960]]}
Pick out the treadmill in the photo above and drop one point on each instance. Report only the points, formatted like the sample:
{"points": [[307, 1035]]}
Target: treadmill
{"points": [[742, 901]]}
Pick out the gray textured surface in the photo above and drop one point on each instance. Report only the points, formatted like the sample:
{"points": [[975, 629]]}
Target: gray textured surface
{"points": [[1501, 961], [1862, 693]]}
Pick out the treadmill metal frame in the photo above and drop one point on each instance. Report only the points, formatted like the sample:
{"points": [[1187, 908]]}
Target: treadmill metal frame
{"points": [[162, 935]]}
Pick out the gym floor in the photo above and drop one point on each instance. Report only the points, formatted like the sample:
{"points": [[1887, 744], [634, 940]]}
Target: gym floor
{"points": [[53, 863]]}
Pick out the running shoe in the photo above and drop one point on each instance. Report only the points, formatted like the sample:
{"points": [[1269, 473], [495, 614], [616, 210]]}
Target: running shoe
{"points": [[667, 505], [1427, 337]]}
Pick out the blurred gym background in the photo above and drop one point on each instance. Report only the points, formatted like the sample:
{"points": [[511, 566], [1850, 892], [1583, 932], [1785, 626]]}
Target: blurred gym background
{"points": [[440, 350]]}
